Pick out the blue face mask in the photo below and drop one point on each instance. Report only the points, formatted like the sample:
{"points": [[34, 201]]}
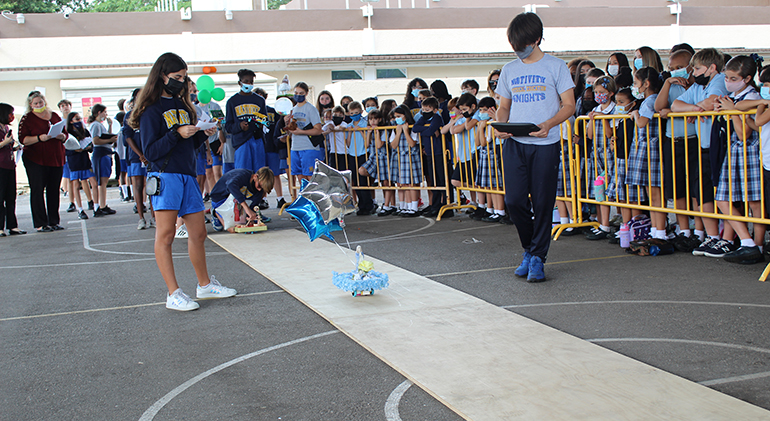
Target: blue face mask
{"points": [[415, 92], [418, 104], [589, 85], [194, 97], [526, 53], [355, 117], [638, 63], [683, 73], [246, 88], [764, 92], [484, 116], [370, 109], [299, 98], [400, 121]]}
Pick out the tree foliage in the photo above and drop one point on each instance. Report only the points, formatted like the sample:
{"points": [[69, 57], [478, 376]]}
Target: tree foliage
{"points": [[56, 6], [275, 4]]}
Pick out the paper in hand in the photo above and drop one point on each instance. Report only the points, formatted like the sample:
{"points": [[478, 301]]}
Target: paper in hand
{"points": [[72, 144], [205, 125], [56, 129], [86, 142]]}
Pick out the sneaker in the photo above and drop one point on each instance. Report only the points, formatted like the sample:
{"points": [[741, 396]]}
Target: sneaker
{"points": [[98, 213], [207, 197], [523, 268], [492, 218], [745, 256], [72, 208], [704, 246], [214, 290], [135, 209], [91, 205], [181, 232], [107, 210], [264, 219], [142, 224], [218, 227], [206, 219], [263, 205], [280, 202], [720, 248], [151, 223], [536, 272], [597, 234], [181, 302], [685, 244], [82, 215]]}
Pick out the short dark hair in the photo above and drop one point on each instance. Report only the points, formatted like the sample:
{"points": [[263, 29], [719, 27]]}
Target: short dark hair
{"points": [[682, 47], [487, 102], [471, 83], [64, 102], [525, 29], [261, 92], [5, 111], [430, 102], [120, 103], [245, 72], [764, 74], [467, 99]]}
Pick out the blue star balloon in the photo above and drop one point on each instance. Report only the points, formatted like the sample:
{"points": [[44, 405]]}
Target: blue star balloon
{"points": [[310, 217]]}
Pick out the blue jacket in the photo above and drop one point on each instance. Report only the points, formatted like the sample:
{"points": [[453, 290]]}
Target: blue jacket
{"points": [[242, 108], [158, 139]]}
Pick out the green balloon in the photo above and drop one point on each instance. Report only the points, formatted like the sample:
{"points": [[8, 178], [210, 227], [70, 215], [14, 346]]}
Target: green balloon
{"points": [[218, 94], [204, 96], [205, 83]]}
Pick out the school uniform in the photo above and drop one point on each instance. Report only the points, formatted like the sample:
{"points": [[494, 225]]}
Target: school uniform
{"points": [[204, 111], [272, 155], [465, 151], [335, 145], [644, 167], [7, 184], [601, 159], [378, 163], [135, 166], [407, 169], [303, 152], [249, 144], [101, 158], [618, 183], [563, 185], [80, 162], [490, 172], [433, 151], [356, 157], [746, 185], [163, 146], [238, 184]]}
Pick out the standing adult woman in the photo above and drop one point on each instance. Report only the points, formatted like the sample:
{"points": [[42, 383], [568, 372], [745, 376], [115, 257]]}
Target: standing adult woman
{"points": [[165, 118], [7, 174], [43, 159]]}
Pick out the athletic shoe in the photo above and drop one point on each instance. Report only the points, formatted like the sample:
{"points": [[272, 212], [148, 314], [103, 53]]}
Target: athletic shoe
{"points": [[523, 268], [206, 219], [214, 290], [597, 234], [685, 244], [280, 202], [217, 225], [720, 248], [107, 210], [207, 197], [264, 219], [704, 246], [122, 197], [181, 232], [151, 222], [492, 218], [181, 302], [135, 209], [72, 208], [536, 270], [142, 224], [98, 213], [91, 205], [263, 205], [82, 215], [745, 256]]}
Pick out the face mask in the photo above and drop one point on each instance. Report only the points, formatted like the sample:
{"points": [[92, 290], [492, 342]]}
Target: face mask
{"points": [[428, 115], [613, 69], [493, 84], [418, 104], [588, 105], [589, 84], [702, 80], [484, 116], [400, 121], [452, 114], [355, 117], [735, 86], [415, 92], [194, 97], [246, 88], [370, 109], [602, 98], [621, 109], [764, 92], [467, 114], [299, 98], [78, 125], [683, 73], [337, 120], [638, 63], [174, 87], [38, 110], [635, 92], [526, 53]]}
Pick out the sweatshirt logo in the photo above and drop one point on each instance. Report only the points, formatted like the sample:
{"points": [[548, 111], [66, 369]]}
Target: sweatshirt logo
{"points": [[248, 109], [171, 120]]}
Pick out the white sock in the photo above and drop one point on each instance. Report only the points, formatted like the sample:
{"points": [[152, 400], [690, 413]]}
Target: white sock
{"points": [[761, 249], [413, 205], [563, 220], [482, 205], [604, 228], [661, 234], [700, 234], [714, 237], [653, 232], [490, 211], [748, 243], [79, 208], [686, 233], [500, 212], [402, 205]]}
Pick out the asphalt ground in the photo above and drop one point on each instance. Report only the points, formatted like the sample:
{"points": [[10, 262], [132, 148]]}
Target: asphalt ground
{"points": [[85, 334]]}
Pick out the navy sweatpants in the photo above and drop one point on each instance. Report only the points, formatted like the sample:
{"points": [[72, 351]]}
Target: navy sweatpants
{"points": [[531, 171]]}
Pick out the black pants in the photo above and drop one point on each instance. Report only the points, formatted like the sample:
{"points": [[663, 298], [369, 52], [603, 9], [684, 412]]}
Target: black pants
{"points": [[8, 198], [531, 171], [365, 201], [435, 165], [687, 155], [43, 179]]}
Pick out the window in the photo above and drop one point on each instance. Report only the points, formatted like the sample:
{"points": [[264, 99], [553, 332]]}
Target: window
{"points": [[347, 75], [391, 73]]}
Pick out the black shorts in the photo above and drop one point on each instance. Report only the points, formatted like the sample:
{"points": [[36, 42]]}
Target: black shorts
{"points": [[691, 167], [466, 170], [338, 161], [353, 163]]}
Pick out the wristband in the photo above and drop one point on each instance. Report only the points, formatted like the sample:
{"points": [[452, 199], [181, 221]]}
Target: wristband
{"points": [[38, 138]]}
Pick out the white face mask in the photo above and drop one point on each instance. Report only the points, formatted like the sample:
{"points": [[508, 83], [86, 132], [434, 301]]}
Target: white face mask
{"points": [[613, 69]]}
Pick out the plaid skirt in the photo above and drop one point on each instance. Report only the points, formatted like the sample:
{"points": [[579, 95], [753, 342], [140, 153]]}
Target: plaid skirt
{"points": [[406, 167], [637, 163], [378, 164], [595, 166], [752, 190], [616, 183], [562, 189], [490, 171]]}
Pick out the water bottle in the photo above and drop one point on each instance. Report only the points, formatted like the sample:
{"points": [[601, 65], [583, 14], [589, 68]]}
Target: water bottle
{"points": [[625, 236], [599, 189]]}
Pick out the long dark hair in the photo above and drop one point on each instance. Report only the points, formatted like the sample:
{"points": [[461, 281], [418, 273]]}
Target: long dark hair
{"points": [[403, 109], [409, 98], [321, 107], [79, 134], [153, 89], [439, 90], [95, 110], [745, 66], [5, 111]]}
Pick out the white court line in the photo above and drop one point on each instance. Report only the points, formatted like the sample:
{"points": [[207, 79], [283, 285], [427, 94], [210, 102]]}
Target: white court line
{"points": [[153, 410], [124, 242], [736, 379], [394, 400], [51, 265], [408, 234], [572, 303], [96, 310], [87, 245]]}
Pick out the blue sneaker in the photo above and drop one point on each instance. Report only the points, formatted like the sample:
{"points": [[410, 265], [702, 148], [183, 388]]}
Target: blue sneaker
{"points": [[523, 268], [536, 273], [265, 219], [216, 224]]}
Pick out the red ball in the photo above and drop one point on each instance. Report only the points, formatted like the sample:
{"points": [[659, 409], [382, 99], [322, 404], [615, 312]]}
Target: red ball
{"points": [[212, 69], [207, 70]]}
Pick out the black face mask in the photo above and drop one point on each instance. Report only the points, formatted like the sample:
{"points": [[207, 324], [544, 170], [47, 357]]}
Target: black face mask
{"points": [[588, 105], [467, 114], [428, 116], [337, 120], [345, 106], [174, 87], [702, 80], [493, 84]]}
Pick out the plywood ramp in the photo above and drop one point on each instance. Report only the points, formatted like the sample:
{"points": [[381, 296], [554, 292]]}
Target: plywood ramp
{"points": [[483, 362]]}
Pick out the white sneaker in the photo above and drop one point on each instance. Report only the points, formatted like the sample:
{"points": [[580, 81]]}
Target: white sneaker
{"points": [[180, 301], [215, 290], [142, 224], [181, 232], [151, 223]]}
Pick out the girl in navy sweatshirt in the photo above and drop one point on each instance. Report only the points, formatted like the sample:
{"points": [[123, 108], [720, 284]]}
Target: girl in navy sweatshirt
{"points": [[166, 120]]}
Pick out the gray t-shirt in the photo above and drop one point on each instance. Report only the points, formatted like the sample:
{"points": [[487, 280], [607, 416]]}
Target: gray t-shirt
{"points": [[306, 114], [206, 109], [97, 129], [534, 91]]}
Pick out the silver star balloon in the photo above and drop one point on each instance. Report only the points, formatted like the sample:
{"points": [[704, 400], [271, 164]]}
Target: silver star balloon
{"points": [[331, 191]]}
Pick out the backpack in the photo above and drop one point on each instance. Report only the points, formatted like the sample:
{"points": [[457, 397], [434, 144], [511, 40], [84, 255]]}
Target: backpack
{"points": [[639, 227]]}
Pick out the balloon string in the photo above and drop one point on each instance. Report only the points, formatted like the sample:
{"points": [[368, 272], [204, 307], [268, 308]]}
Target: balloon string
{"points": [[346, 238], [344, 252]]}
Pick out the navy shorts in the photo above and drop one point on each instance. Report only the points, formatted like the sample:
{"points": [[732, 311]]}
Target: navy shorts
{"points": [[81, 175], [104, 169], [274, 163], [135, 169], [179, 192]]}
